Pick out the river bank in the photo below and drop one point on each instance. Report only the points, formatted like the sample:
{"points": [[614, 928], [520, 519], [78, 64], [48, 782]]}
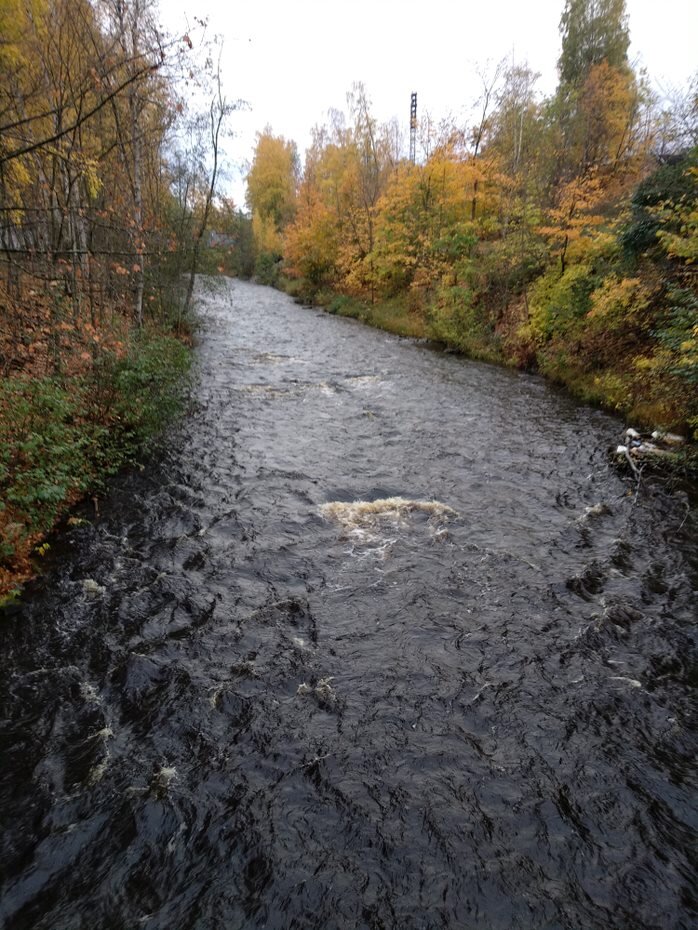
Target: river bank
{"points": [[80, 402], [649, 406]]}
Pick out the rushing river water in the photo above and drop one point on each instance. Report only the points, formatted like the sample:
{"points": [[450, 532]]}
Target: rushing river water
{"points": [[384, 641]]}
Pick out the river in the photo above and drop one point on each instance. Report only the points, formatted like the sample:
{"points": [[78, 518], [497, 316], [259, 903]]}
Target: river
{"points": [[382, 640]]}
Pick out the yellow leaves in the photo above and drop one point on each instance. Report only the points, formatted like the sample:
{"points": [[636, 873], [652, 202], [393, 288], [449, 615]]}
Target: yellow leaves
{"points": [[17, 178], [271, 183], [310, 243], [15, 16], [266, 235], [376, 223], [424, 226], [572, 213], [618, 297], [684, 217], [93, 182], [607, 102], [650, 363], [574, 226]]}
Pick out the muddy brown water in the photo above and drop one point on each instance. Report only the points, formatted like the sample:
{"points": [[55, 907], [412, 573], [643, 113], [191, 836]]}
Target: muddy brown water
{"points": [[262, 711]]}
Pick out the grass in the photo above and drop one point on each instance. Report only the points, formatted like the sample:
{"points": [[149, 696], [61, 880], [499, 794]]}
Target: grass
{"points": [[393, 315]]}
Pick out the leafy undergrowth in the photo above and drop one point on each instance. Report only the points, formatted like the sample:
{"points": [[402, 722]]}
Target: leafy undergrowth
{"points": [[393, 316], [64, 428], [636, 376]]}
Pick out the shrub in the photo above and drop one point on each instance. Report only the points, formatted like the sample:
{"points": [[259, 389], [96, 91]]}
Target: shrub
{"points": [[557, 302], [267, 268], [671, 183], [60, 437], [44, 448]]}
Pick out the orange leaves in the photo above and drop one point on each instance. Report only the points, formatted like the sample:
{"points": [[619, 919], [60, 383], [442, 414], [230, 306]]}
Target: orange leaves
{"points": [[310, 243], [609, 109], [424, 231], [573, 219]]}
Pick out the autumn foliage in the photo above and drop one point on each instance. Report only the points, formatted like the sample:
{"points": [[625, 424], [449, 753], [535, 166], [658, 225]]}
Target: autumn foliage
{"points": [[105, 190], [557, 234]]}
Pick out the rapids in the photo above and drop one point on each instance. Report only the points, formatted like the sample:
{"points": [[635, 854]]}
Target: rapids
{"points": [[381, 640]]}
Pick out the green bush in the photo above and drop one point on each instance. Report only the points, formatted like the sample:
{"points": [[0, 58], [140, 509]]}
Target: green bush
{"points": [[267, 269], [44, 448], [679, 335], [148, 382], [457, 318], [557, 302], [343, 305], [61, 437], [671, 183]]}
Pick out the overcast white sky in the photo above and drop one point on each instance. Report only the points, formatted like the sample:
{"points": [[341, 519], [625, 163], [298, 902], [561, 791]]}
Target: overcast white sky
{"points": [[292, 60]]}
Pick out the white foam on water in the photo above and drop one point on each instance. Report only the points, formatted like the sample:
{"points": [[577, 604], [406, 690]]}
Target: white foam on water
{"points": [[366, 522], [633, 682], [362, 513], [166, 775], [91, 588], [363, 381], [89, 693], [323, 690], [97, 772]]}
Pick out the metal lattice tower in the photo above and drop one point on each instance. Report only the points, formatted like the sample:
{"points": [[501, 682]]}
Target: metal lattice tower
{"points": [[413, 128]]}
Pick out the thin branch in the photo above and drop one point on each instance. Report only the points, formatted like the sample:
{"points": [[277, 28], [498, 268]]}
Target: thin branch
{"points": [[82, 119]]}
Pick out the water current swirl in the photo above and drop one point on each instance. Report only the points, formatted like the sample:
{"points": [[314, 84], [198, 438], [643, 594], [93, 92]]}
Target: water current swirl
{"points": [[381, 641]]}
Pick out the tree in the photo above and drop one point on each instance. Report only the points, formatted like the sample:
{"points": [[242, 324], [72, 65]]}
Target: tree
{"points": [[678, 130], [271, 188], [593, 31], [310, 243], [425, 233], [87, 102], [218, 111], [573, 216]]}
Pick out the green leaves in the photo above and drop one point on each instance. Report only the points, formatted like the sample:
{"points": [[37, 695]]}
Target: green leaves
{"points": [[58, 439]]}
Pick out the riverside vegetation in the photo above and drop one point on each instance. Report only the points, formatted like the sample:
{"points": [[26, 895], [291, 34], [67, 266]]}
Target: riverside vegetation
{"points": [[555, 234], [107, 189], [558, 235]]}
